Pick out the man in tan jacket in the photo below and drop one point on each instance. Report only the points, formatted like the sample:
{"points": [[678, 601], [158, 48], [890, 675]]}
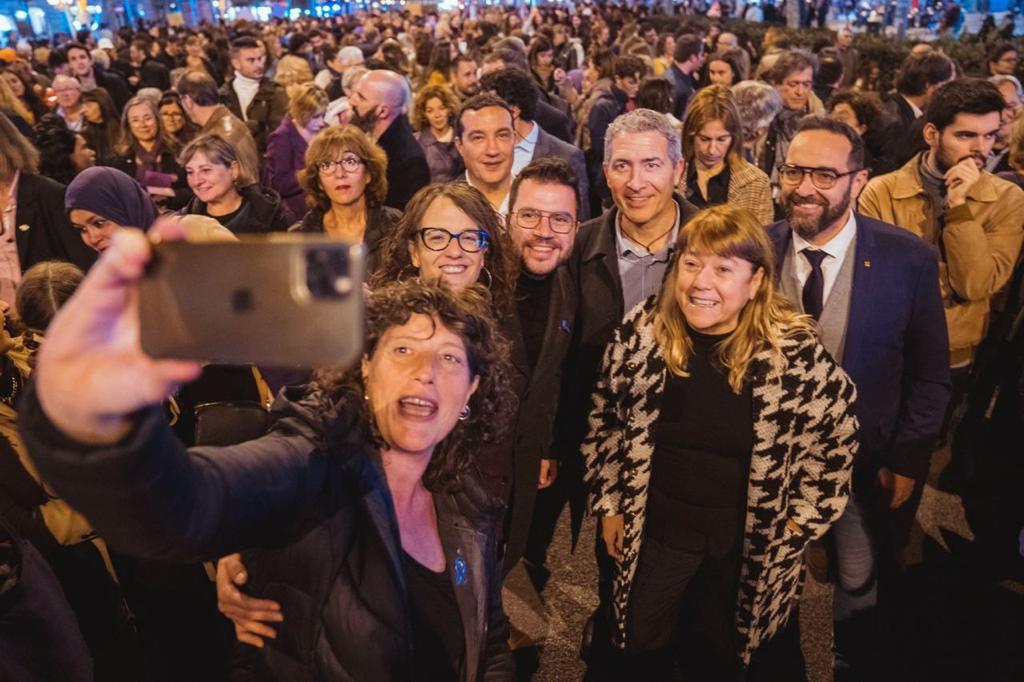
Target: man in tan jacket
{"points": [[201, 101], [974, 218]]}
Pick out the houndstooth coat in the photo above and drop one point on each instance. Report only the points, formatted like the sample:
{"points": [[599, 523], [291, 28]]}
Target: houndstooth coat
{"points": [[805, 437]]}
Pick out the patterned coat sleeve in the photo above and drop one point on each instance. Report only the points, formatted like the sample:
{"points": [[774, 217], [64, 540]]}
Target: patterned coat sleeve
{"points": [[820, 484], [604, 449]]}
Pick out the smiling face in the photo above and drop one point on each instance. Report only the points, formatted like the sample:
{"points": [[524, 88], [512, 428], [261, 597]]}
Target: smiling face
{"points": [[712, 291], [541, 249], [143, 123], [210, 180], [711, 145], [417, 383], [487, 144], [641, 176], [453, 266], [818, 214], [96, 230], [345, 187]]}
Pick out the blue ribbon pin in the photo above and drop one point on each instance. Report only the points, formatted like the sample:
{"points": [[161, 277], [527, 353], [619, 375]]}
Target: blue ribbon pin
{"points": [[459, 566]]}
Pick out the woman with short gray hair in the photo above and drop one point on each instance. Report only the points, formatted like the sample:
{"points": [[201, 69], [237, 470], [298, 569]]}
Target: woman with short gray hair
{"points": [[758, 103]]}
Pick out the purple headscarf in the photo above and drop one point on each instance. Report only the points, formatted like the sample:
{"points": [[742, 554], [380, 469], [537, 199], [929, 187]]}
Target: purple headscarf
{"points": [[111, 194]]}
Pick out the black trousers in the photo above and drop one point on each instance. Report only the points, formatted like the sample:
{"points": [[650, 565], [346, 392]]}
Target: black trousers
{"points": [[681, 626]]}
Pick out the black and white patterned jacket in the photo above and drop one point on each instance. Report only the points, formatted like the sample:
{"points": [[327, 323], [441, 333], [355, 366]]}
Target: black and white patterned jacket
{"points": [[805, 437]]}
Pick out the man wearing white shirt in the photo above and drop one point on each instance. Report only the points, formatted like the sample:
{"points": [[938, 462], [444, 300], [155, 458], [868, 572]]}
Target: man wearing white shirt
{"points": [[485, 139], [874, 294], [250, 95], [518, 89]]}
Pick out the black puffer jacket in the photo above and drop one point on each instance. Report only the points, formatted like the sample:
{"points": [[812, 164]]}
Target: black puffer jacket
{"points": [[315, 491], [262, 211]]}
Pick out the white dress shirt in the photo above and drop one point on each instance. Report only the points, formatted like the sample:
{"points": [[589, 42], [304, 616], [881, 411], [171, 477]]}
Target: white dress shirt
{"points": [[524, 150], [837, 249]]}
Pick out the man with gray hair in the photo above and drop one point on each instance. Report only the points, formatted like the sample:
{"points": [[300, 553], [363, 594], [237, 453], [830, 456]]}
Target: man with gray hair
{"points": [[379, 103], [618, 261], [1010, 88]]}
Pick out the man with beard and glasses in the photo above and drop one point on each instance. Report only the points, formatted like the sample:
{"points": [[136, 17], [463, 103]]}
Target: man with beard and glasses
{"points": [[838, 266], [380, 102], [542, 224], [945, 196]]}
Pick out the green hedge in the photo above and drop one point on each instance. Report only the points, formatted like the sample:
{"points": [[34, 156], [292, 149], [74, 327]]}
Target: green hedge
{"points": [[969, 52]]}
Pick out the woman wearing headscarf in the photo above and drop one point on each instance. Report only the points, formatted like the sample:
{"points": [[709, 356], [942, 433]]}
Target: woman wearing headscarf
{"points": [[173, 603]]}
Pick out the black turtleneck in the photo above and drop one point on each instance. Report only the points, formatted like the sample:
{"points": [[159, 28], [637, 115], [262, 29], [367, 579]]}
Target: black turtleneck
{"points": [[699, 472], [533, 298]]}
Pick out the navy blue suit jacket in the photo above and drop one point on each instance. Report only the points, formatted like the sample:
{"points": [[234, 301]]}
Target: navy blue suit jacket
{"points": [[897, 349]]}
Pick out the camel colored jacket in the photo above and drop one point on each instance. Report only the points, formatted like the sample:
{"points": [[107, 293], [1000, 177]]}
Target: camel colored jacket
{"points": [[979, 243]]}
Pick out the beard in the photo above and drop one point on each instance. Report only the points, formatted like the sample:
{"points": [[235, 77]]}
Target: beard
{"points": [[944, 159], [364, 122], [808, 227]]}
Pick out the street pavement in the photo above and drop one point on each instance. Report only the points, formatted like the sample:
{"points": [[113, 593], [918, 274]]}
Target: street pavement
{"points": [[962, 596]]}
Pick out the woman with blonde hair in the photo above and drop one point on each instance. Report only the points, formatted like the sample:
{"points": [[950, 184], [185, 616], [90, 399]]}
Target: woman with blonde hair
{"points": [[721, 442], [147, 152], [345, 181], [716, 172], [434, 117], [286, 146]]}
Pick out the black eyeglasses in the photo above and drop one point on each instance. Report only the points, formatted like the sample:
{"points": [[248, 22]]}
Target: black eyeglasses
{"points": [[350, 164], [822, 178], [438, 239], [560, 221]]}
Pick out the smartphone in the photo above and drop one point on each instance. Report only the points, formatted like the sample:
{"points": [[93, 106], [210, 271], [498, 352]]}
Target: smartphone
{"points": [[279, 300]]}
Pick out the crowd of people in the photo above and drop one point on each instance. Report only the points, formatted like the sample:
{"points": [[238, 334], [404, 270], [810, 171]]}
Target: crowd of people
{"points": [[728, 298]]}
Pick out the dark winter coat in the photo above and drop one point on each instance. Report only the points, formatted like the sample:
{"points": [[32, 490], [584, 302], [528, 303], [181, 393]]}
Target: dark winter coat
{"points": [[261, 211], [265, 111], [334, 557], [285, 157]]}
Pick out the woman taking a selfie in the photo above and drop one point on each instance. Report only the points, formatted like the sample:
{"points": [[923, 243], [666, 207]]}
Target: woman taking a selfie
{"points": [[345, 183], [721, 442], [396, 569], [224, 193]]}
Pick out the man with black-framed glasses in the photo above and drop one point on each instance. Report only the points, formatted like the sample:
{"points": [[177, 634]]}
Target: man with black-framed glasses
{"points": [[873, 290]]}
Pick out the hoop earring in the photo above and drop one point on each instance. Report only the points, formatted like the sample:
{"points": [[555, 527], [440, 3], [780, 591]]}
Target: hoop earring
{"points": [[490, 277], [464, 414]]}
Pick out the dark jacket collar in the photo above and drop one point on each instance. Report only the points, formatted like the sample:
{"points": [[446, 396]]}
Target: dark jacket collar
{"points": [[603, 243]]}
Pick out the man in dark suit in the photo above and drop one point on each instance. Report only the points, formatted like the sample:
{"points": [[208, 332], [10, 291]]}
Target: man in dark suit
{"points": [[532, 141], [551, 109], [380, 102], [919, 77], [873, 290], [542, 224]]}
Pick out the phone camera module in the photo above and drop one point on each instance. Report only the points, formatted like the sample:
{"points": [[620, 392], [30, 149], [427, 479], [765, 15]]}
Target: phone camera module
{"points": [[327, 273]]}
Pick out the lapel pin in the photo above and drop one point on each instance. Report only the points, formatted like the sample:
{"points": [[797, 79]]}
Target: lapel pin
{"points": [[564, 326], [25, 227], [460, 570], [867, 264]]}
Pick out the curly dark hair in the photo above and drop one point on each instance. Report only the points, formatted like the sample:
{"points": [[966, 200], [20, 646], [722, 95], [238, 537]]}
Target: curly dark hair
{"points": [[498, 259], [467, 314]]}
